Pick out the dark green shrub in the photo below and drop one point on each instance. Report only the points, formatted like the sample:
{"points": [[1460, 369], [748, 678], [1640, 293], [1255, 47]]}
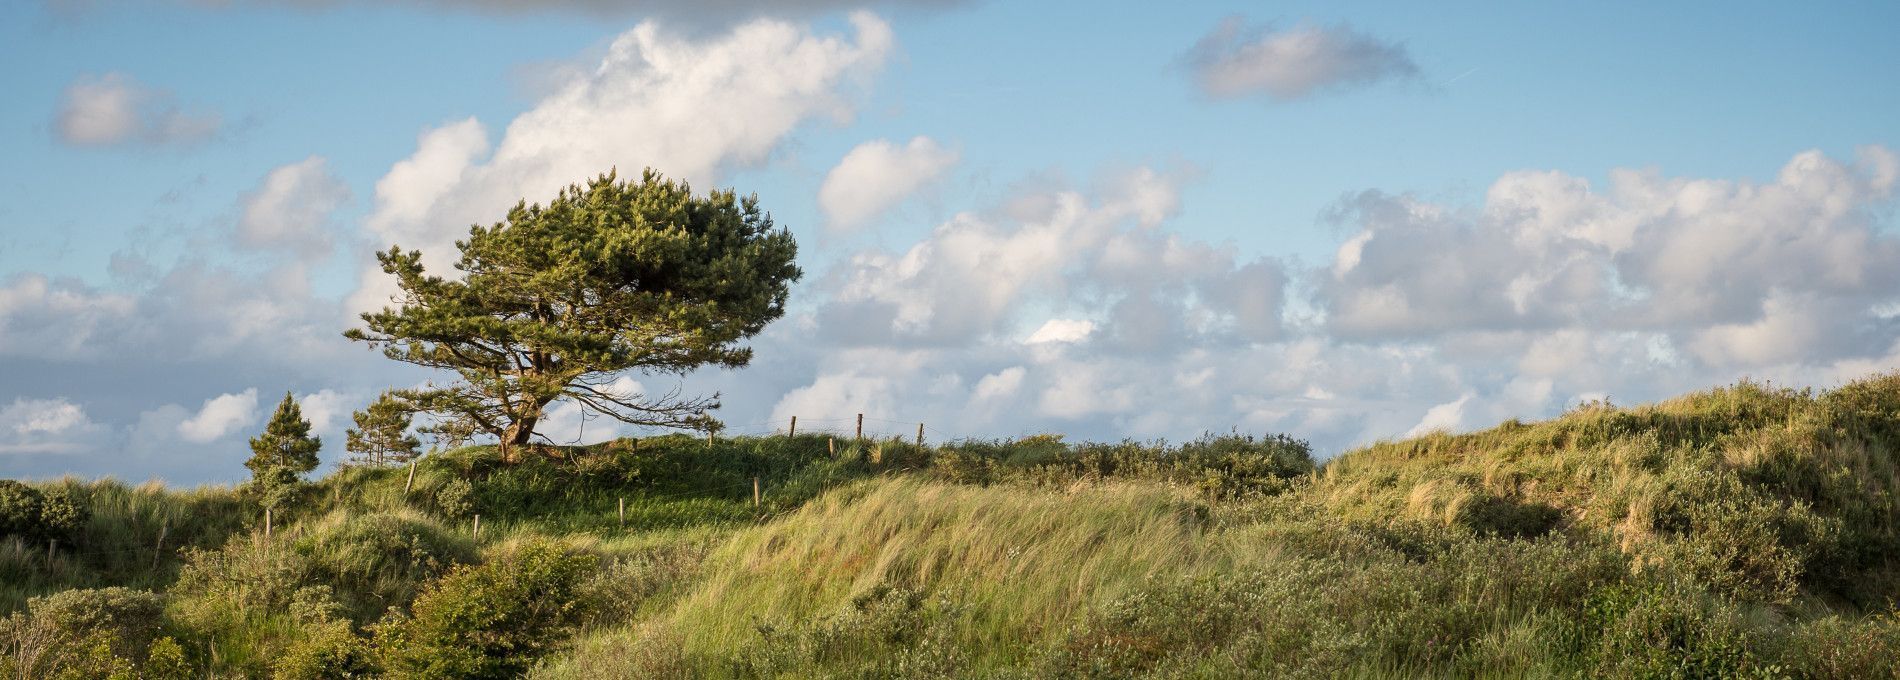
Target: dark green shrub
{"points": [[488, 621], [1661, 630], [456, 498], [62, 513], [327, 650], [1494, 515], [19, 509], [35, 515]]}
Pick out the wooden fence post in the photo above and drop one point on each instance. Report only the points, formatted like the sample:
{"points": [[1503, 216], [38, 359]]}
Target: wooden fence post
{"points": [[793, 432], [160, 549], [51, 544], [709, 439], [623, 512], [755, 492], [831, 446], [920, 435], [406, 486], [267, 522], [478, 526], [860, 426]]}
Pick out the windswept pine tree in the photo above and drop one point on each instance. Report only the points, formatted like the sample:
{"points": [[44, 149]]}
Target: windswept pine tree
{"points": [[557, 302], [381, 436], [286, 442]]}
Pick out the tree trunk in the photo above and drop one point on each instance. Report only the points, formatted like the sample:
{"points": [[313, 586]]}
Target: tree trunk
{"points": [[516, 437]]}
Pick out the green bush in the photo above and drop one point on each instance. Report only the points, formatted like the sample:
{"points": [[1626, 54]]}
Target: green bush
{"points": [[85, 633], [19, 509], [327, 650], [35, 515], [489, 621]]}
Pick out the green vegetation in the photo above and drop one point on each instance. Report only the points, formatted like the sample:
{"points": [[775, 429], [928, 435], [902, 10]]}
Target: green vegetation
{"points": [[558, 302], [1746, 531], [381, 436]]}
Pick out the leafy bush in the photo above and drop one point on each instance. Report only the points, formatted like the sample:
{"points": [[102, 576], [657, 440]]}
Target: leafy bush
{"points": [[19, 509], [327, 650], [31, 514], [84, 633], [488, 621]]}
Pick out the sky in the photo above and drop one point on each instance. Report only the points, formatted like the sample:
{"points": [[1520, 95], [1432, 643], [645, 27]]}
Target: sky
{"points": [[1344, 222]]}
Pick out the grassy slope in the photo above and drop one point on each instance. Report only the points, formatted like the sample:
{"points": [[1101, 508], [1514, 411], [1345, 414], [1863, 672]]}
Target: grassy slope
{"points": [[1739, 531]]}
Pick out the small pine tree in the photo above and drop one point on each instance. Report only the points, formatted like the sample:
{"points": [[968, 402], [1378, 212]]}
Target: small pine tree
{"points": [[286, 443], [381, 436]]}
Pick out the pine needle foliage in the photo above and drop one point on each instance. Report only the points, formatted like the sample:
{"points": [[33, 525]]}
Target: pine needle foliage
{"points": [[556, 302], [381, 436], [286, 442]]}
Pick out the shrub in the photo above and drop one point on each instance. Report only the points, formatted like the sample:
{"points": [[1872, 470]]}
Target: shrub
{"points": [[377, 560], [328, 649], [35, 515], [488, 621], [19, 509], [456, 498], [85, 633], [166, 661]]}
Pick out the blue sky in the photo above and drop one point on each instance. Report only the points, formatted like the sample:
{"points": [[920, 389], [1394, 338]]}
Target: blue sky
{"points": [[1311, 223]]}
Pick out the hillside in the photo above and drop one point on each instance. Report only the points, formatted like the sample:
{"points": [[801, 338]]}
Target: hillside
{"points": [[1741, 531]]}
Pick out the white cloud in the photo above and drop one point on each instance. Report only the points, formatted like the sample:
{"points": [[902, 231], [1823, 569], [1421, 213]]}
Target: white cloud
{"points": [[877, 175], [998, 385], [114, 109], [1653, 254], [978, 274], [47, 426], [1236, 60], [1062, 330], [46, 319], [291, 209], [1446, 417], [328, 410], [687, 107], [220, 416]]}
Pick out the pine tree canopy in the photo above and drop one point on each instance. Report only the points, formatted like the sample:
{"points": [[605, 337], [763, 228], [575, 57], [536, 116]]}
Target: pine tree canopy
{"points": [[381, 436], [557, 301], [286, 442]]}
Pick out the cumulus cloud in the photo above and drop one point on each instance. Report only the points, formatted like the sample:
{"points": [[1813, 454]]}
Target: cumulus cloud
{"points": [[1062, 249], [220, 415], [46, 426], [192, 312], [292, 208], [688, 107], [877, 175], [1082, 312], [1285, 64], [113, 109], [1734, 269]]}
